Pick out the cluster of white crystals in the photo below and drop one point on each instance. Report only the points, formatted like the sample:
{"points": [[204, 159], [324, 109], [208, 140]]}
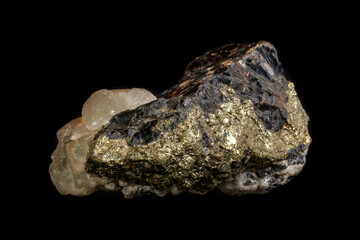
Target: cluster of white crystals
{"points": [[67, 170]]}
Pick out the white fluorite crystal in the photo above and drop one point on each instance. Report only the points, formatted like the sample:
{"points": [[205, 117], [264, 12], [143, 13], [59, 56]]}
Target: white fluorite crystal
{"points": [[67, 170], [104, 104]]}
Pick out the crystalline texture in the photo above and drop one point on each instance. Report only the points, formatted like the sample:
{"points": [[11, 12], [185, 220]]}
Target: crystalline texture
{"points": [[233, 122]]}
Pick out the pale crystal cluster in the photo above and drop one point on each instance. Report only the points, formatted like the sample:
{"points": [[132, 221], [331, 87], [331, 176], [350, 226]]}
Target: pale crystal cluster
{"points": [[67, 170]]}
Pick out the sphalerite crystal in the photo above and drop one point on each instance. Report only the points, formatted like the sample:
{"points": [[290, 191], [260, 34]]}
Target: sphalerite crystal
{"points": [[233, 122]]}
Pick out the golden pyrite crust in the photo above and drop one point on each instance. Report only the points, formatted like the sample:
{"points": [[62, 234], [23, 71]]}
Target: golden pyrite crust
{"points": [[178, 157]]}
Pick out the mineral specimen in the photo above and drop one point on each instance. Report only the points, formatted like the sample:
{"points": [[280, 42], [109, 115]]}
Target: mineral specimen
{"points": [[233, 122]]}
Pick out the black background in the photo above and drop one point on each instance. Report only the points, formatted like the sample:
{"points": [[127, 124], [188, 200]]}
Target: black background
{"points": [[68, 56]]}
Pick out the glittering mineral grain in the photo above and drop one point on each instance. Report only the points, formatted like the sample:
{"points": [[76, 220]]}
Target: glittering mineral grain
{"points": [[233, 122]]}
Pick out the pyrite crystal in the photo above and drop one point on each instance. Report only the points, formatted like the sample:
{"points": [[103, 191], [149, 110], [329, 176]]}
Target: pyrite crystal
{"points": [[233, 122]]}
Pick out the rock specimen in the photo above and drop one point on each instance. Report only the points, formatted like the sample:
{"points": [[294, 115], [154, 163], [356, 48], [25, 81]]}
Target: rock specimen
{"points": [[233, 122]]}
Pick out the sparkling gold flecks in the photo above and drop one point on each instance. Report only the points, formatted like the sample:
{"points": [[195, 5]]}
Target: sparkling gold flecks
{"points": [[235, 133], [110, 151], [238, 127], [297, 120]]}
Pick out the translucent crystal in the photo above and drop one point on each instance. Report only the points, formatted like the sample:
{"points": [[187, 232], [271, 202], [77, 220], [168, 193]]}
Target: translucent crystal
{"points": [[104, 104], [77, 151]]}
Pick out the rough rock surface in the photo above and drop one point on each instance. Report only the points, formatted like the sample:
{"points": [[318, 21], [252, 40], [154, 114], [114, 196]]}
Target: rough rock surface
{"points": [[232, 122], [67, 170]]}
